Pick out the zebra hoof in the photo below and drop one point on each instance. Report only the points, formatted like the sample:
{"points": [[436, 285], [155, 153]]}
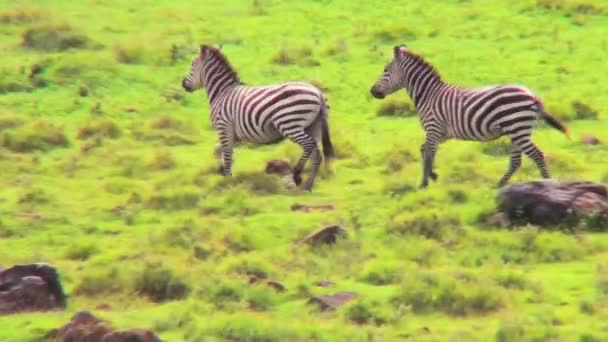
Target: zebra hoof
{"points": [[434, 176], [297, 178], [307, 187], [423, 185]]}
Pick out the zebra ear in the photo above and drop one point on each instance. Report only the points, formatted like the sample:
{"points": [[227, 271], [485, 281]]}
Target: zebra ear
{"points": [[204, 48], [399, 51]]}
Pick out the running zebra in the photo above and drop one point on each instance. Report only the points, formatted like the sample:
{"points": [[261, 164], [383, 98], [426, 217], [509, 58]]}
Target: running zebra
{"points": [[261, 114], [447, 111]]}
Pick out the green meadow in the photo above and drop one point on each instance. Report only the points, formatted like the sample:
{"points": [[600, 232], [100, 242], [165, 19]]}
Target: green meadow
{"points": [[107, 172]]}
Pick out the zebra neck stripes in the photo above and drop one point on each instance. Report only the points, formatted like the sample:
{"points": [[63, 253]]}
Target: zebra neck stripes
{"points": [[420, 78], [218, 75]]}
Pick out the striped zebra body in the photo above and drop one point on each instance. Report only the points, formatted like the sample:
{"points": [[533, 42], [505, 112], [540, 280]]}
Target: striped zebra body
{"points": [[262, 114], [451, 112]]}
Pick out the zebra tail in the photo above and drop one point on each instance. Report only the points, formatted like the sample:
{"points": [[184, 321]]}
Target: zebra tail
{"points": [[328, 147], [555, 123]]}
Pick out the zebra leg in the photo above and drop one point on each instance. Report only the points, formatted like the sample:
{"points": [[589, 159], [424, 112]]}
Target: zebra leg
{"points": [[308, 145], [529, 148], [434, 176], [217, 154], [514, 164], [430, 149], [227, 142], [315, 159]]}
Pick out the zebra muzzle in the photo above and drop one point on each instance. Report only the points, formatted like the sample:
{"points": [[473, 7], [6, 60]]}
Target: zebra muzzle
{"points": [[377, 94], [186, 86]]}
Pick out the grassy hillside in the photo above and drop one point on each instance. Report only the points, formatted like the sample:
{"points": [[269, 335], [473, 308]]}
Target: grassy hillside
{"points": [[108, 171]]}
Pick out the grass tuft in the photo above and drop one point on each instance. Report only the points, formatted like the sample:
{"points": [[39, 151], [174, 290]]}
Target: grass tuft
{"points": [[38, 136], [161, 284], [54, 38]]}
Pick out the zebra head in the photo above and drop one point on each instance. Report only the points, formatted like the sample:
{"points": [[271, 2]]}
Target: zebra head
{"points": [[195, 79], [393, 77]]}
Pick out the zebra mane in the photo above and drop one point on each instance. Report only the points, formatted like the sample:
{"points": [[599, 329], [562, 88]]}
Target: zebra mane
{"points": [[219, 56], [420, 60]]}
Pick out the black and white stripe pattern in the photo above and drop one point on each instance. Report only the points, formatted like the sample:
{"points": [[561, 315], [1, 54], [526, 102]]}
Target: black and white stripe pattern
{"points": [[451, 112], [261, 114]]}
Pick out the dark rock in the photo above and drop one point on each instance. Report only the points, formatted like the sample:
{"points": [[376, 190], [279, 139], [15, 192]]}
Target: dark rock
{"points": [[33, 287], [134, 335], [103, 306], [276, 285], [588, 139], [308, 208], [86, 327], [270, 283], [325, 283], [326, 235], [331, 302], [549, 202], [277, 166]]}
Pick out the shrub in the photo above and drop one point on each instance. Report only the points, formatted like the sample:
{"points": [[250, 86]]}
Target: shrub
{"points": [[428, 292], [394, 33], [380, 273], [339, 48], [167, 122], [173, 200], [583, 112], [21, 15], [160, 284], [99, 283], [430, 225], [162, 160], [82, 251], [366, 312], [251, 267], [224, 294], [131, 52], [183, 235], [396, 108], [10, 122], [39, 136], [396, 159], [99, 128], [262, 298], [34, 196], [458, 196], [244, 328], [289, 56], [53, 38], [238, 242], [11, 82]]}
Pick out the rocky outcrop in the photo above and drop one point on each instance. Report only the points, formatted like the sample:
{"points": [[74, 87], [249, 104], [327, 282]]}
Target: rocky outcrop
{"points": [[549, 202], [278, 166], [588, 139], [86, 327], [331, 302], [33, 287], [327, 235]]}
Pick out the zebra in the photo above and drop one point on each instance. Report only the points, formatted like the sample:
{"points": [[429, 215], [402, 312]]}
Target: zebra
{"points": [[264, 114], [449, 111]]}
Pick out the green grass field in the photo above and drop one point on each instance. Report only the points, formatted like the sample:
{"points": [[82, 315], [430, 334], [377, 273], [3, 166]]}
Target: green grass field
{"points": [[108, 171]]}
